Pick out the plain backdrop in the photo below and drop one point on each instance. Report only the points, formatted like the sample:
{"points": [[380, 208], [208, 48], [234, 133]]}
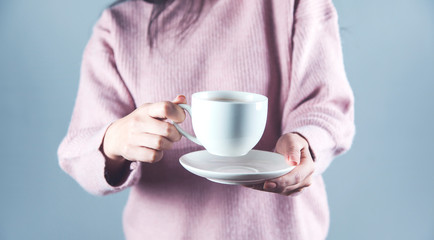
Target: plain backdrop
{"points": [[382, 189]]}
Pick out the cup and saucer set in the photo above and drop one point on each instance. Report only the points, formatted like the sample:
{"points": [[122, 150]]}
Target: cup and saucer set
{"points": [[228, 124]]}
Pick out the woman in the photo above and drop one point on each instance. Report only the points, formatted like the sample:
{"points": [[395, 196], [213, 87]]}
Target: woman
{"points": [[143, 54]]}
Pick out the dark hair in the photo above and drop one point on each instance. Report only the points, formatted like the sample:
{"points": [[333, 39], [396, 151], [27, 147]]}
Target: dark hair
{"points": [[188, 11]]}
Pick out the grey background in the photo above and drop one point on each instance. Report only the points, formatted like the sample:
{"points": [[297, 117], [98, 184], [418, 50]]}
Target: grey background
{"points": [[382, 189]]}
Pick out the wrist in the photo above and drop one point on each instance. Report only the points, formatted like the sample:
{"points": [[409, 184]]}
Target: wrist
{"points": [[108, 145]]}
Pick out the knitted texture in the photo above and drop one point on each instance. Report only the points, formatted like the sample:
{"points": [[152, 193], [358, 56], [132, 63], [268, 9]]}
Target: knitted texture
{"points": [[289, 51]]}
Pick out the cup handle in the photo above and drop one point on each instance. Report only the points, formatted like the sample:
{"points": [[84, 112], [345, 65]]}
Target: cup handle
{"points": [[184, 133]]}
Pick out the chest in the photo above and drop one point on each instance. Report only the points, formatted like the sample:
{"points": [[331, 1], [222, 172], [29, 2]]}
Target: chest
{"points": [[228, 49]]}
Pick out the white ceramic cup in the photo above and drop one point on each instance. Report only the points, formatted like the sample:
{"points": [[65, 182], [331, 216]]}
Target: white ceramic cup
{"points": [[227, 123]]}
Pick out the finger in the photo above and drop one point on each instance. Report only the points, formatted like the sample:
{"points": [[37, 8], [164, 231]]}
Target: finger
{"points": [[293, 155], [142, 154], [162, 128], [166, 110], [298, 187], [295, 178], [180, 99], [152, 141], [294, 192], [259, 186], [290, 146]]}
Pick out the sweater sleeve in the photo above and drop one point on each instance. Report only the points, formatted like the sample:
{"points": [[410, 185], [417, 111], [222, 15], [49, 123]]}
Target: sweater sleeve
{"points": [[320, 102], [102, 98]]}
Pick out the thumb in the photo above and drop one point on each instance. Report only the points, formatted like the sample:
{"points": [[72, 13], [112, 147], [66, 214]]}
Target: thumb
{"points": [[292, 155], [180, 99], [290, 149]]}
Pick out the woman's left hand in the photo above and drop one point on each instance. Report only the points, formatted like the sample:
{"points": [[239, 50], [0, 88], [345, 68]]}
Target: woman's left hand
{"points": [[296, 151]]}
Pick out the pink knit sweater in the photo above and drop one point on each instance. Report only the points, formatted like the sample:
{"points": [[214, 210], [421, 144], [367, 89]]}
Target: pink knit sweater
{"points": [[289, 51]]}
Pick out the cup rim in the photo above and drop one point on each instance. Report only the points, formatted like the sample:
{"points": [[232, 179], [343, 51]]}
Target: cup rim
{"points": [[205, 95]]}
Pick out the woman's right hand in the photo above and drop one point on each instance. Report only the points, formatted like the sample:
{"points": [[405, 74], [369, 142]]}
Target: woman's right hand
{"points": [[143, 135]]}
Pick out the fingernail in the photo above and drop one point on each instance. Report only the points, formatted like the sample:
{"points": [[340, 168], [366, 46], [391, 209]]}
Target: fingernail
{"points": [[270, 185], [292, 162], [179, 98]]}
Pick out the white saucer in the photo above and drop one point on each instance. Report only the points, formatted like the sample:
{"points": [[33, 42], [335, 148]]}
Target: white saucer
{"points": [[254, 167]]}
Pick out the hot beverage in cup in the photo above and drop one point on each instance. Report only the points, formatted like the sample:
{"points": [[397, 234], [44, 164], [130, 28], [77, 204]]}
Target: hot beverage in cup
{"points": [[227, 123]]}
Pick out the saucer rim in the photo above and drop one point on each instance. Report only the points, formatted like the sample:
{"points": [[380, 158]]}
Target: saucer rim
{"points": [[234, 176], [235, 182]]}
